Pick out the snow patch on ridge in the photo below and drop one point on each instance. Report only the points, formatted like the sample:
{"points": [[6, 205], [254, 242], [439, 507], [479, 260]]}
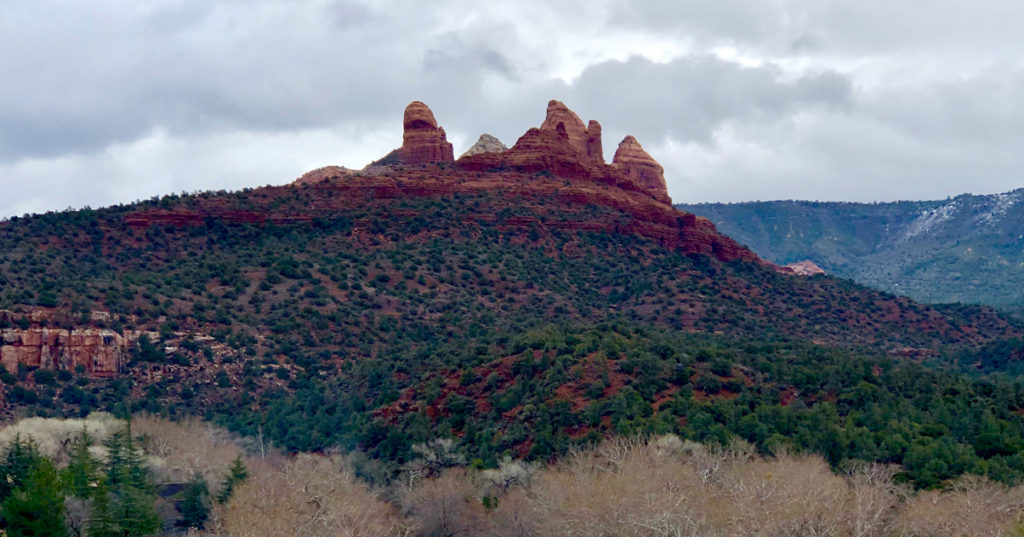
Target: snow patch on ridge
{"points": [[930, 219], [1001, 203]]}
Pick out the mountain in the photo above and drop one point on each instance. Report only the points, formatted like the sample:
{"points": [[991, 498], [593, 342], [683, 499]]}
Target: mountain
{"points": [[966, 249], [516, 302]]}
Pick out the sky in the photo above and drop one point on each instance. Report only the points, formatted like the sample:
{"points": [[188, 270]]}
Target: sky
{"points": [[105, 102]]}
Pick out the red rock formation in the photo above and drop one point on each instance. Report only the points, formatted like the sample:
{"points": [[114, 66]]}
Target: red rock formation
{"points": [[557, 114], [585, 139], [100, 352], [536, 151], [643, 170], [423, 142]]}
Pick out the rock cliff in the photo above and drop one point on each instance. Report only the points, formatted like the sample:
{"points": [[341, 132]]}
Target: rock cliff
{"points": [[423, 142], [100, 352]]}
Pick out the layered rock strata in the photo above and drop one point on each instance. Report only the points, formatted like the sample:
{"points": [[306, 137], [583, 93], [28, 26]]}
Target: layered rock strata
{"points": [[100, 352]]}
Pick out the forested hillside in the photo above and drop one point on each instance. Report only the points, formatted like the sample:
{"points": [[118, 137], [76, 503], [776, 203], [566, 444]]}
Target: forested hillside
{"points": [[965, 249]]}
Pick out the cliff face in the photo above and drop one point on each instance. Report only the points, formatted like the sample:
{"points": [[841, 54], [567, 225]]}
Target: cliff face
{"points": [[100, 352]]}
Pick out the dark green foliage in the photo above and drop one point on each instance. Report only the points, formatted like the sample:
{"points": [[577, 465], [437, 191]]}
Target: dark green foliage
{"points": [[391, 322], [36, 507], [237, 473], [124, 505], [195, 506], [82, 471], [19, 458]]}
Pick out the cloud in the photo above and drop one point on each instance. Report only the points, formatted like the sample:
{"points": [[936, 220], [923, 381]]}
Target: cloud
{"points": [[105, 102]]}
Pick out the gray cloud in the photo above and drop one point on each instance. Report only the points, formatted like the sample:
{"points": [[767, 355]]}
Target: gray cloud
{"points": [[102, 103]]}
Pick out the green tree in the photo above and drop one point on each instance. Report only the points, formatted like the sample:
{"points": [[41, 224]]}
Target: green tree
{"points": [[82, 470], [237, 473], [195, 508], [36, 509], [19, 458], [123, 506], [101, 516]]}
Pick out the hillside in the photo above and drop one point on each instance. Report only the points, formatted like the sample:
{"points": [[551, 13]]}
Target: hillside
{"points": [[518, 302], [965, 249]]}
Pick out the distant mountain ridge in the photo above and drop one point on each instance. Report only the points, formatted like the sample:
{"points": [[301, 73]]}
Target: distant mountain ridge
{"points": [[965, 249]]}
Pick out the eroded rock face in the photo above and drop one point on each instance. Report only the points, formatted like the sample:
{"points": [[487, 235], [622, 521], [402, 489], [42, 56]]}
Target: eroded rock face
{"points": [[560, 114], [643, 170], [585, 139], [485, 144], [423, 142], [100, 352]]}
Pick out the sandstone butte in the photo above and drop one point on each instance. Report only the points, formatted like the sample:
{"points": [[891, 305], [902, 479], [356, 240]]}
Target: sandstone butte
{"points": [[561, 160], [552, 177]]}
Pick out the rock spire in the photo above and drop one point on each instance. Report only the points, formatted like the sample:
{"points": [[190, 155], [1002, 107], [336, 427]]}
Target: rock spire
{"points": [[423, 142], [639, 167]]}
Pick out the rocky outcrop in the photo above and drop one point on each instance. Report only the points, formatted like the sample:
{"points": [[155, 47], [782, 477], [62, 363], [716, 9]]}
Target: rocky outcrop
{"points": [[585, 139], [643, 170], [563, 147], [423, 142], [560, 114], [805, 268], [100, 352], [322, 174], [485, 144]]}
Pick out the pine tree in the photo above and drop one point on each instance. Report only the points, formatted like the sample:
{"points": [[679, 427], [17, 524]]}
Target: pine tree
{"points": [[36, 509], [19, 458], [195, 508], [126, 506], [101, 516], [237, 473], [81, 473]]}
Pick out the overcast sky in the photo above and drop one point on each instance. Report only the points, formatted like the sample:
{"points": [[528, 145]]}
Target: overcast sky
{"points": [[105, 102]]}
